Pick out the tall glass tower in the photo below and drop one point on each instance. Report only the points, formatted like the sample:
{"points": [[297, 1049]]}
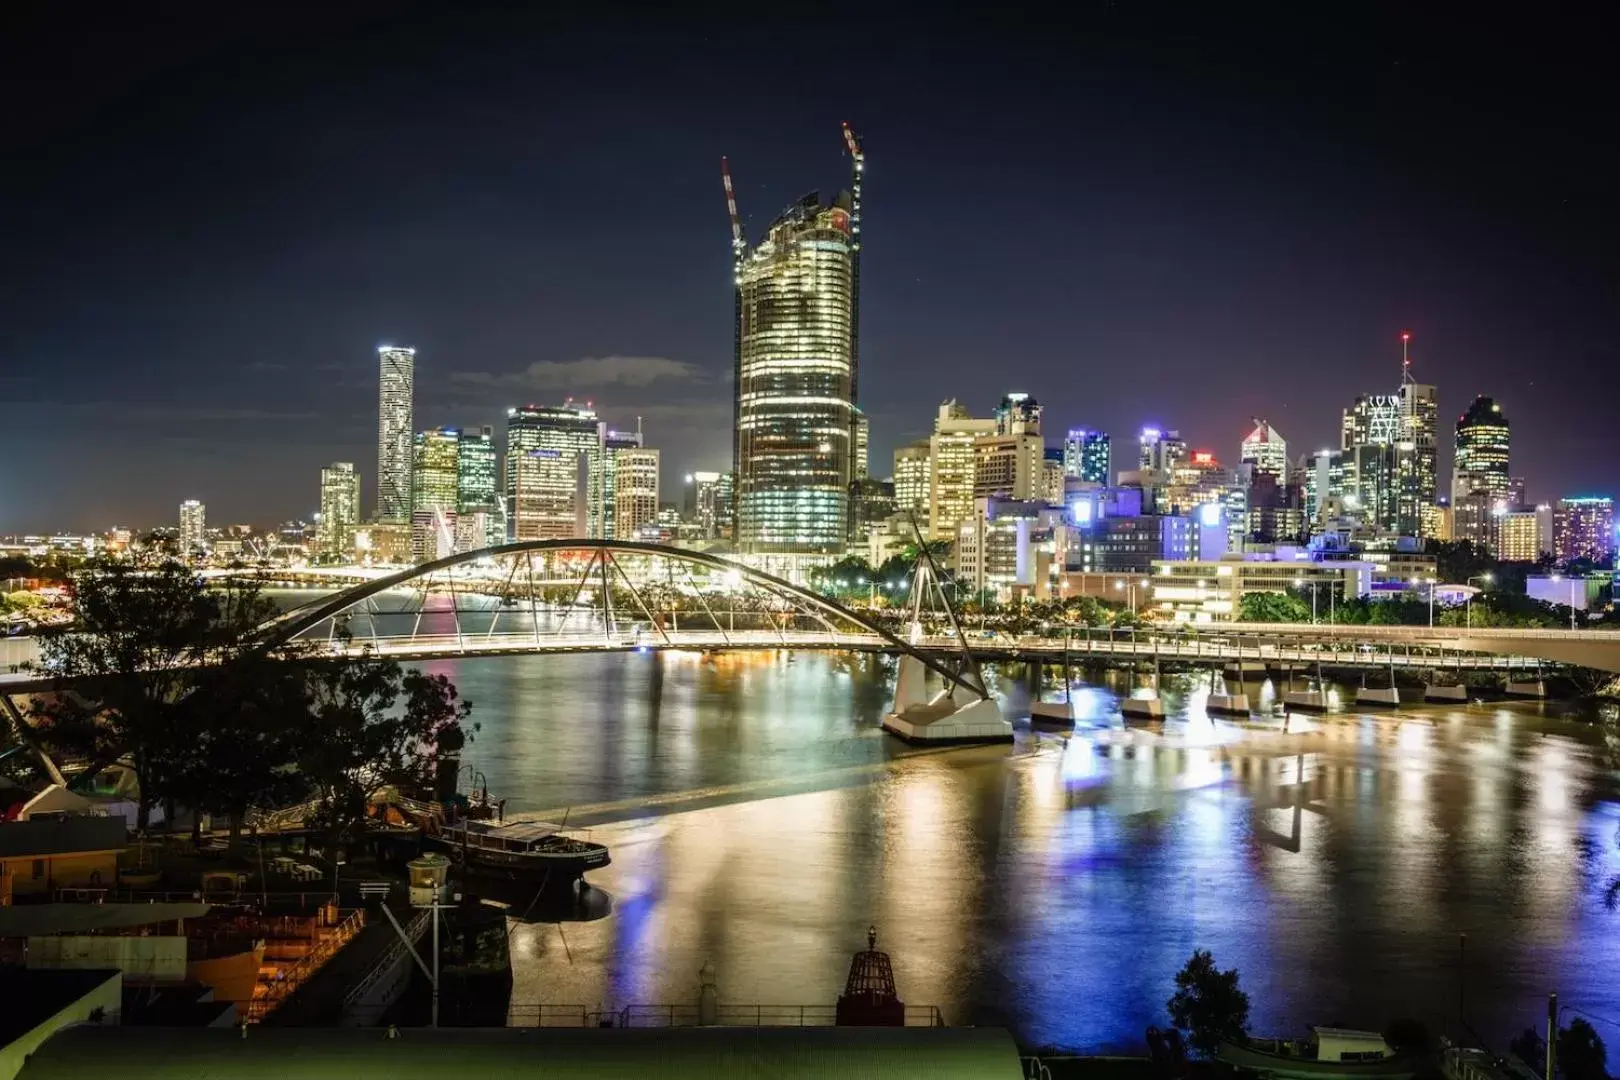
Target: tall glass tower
{"points": [[394, 415], [1086, 455], [557, 494], [1481, 460]]}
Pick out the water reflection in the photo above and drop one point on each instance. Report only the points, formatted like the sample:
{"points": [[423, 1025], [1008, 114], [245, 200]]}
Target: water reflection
{"points": [[760, 823]]}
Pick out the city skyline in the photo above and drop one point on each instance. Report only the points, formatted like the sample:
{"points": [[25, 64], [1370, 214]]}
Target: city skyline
{"points": [[1190, 307]]}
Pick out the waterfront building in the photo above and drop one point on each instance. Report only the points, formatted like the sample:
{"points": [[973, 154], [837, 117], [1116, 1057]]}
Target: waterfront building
{"points": [[340, 513], [478, 490], [577, 435], [1480, 462], [435, 481], [395, 426], [953, 468], [192, 541], [912, 483], [795, 406], [1086, 455], [1266, 449], [606, 486], [1583, 528], [383, 543], [635, 491], [1207, 590]]}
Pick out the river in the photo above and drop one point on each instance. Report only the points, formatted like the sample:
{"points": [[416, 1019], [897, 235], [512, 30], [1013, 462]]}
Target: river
{"points": [[760, 822]]}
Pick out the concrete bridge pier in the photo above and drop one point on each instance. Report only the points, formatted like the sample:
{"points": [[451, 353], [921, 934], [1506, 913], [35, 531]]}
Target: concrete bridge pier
{"points": [[1221, 699], [1526, 688], [1053, 714], [1143, 702]]}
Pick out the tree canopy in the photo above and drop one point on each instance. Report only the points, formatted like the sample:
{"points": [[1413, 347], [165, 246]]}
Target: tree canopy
{"points": [[1273, 607], [1208, 1005]]}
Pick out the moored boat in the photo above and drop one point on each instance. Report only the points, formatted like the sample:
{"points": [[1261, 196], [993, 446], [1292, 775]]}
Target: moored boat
{"points": [[1327, 1053], [532, 850]]}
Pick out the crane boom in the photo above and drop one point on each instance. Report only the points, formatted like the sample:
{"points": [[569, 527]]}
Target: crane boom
{"points": [[857, 169], [738, 244]]}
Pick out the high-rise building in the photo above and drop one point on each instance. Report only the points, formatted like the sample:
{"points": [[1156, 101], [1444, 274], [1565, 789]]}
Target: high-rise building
{"points": [[795, 359], [1481, 460], [193, 529], [1009, 467], [478, 491], [1583, 528], [1161, 451], [1524, 534], [1086, 455], [952, 468], [395, 413], [578, 436], [435, 483], [725, 505], [1052, 484], [911, 481], [1418, 448], [1265, 447], [701, 503], [635, 490], [1389, 443], [871, 503], [1018, 414], [340, 513]]}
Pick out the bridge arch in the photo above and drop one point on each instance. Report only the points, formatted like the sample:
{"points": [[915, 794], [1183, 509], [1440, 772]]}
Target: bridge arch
{"points": [[603, 564]]}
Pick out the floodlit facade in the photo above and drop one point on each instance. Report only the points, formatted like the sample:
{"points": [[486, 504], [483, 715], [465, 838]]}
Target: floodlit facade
{"points": [[395, 413], [1583, 528], [435, 483], [635, 491], [1086, 455], [577, 436], [340, 513], [953, 468], [911, 482], [795, 409], [1267, 450], [193, 529]]}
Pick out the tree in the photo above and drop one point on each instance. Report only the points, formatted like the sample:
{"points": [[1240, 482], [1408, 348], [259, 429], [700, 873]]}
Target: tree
{"points": [[366, 724], [1207, 1004], [1272, 607], [141, 640], [1581, 1054]]}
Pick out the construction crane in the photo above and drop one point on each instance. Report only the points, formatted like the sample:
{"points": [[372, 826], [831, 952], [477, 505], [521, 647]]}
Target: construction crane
{"points": [[739, 246], [859, 167]]}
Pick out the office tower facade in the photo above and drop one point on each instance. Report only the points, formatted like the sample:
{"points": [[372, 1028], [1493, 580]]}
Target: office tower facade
{"points": [[1160, 451], [1053, 482], [1267, 450], [340, 513], [795, 404], [395, 432], [480, 522], [871, 503], [861, 445], [435, 483], [606, 487], [1583, 528], [911, 482], [953, 468], [635, 490], [1418, 448], [1389, 442], [1480, 463], [193, 529], [702, 503], [575, 435], [1087, 456], [725, 505], [1018, 414], [1524, 534]]}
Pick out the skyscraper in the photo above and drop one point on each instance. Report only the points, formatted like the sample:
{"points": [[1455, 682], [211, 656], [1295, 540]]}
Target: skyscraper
{"points": [[478, 491], [1161, 451], [1389, 443], [702, 503], [395, 413], [1010, 463], [193, 527], [1583, 528], [911, 482], [861, 443], [435, 479], [1481, 461], [1086, 455], [576, 435], [606, 488], [1265, 447], [952, 468], [1419, 442], [635, 490], [340, 513], [796, 356]]}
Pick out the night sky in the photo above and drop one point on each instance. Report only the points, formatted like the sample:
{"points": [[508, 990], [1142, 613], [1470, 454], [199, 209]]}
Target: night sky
{"points": [[212, 218]]}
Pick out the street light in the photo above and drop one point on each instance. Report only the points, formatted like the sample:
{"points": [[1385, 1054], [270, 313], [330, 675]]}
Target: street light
{"points": [[1431, 601], [1121, 586], [1300, 583], [1559, 577], [1468, 600]]}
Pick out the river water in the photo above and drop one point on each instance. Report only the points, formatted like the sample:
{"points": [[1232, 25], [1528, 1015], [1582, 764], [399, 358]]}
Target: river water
{"points": [[760, 822]]}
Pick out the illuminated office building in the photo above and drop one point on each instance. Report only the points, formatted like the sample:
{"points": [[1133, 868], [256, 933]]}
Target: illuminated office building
{"points": [[861, 446], [1524, 534], [193, 529], [604, 487], [797, 374], [953, 468], [1583, 528], [1086, 455], [1161, 451], [701, 503], [480, 521], [435, 483], [1480, 463], [911, 482], [576, 436], [635, 490], [1389, 443], [396, 385], [340, 513], [1266, 449]]}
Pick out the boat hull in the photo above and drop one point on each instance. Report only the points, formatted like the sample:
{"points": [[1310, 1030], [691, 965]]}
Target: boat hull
{"points": [[559, 869], [1289, 1067]]}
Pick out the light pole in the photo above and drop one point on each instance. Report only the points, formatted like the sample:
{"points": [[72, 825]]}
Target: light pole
{"points": [[1557, 577], [1431, 602], [1468, 600]]}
